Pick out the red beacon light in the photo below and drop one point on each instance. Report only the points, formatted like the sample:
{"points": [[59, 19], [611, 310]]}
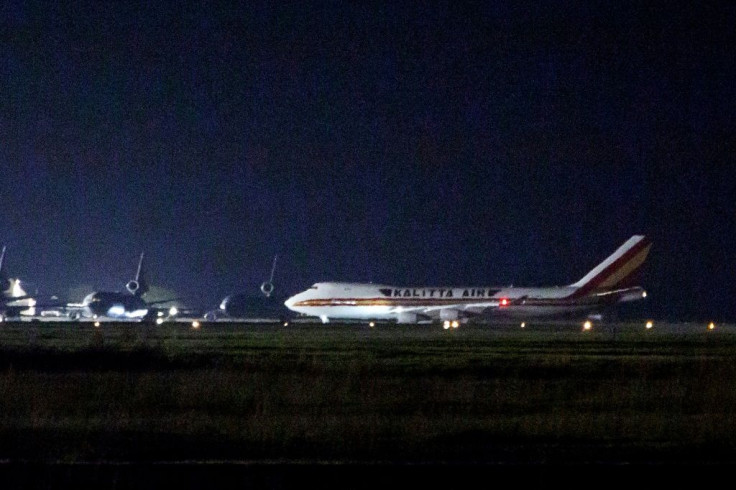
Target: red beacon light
{"points": [[503, 302]]}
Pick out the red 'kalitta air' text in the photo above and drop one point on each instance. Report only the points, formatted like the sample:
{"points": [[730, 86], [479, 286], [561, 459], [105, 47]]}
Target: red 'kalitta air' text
{"points": [[439, 292]]}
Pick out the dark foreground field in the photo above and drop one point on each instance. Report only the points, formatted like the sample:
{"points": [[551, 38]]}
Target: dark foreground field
{"points": [[272, 406]]}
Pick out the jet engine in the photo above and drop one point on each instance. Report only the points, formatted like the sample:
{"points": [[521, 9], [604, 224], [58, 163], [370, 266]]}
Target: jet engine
{"points": [[133, 286], [267, 288], [406, 318], [449, 315]]}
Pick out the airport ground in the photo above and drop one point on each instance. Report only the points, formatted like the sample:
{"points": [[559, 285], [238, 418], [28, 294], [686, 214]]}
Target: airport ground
{"points": [[355, 407]]}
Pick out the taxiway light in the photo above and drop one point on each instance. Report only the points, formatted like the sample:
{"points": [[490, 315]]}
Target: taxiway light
{"points": [[97, 324], [643, 294], [711, 326], [159, 321], [523, 324], [160, 313], [195, 324], [446, 325], [173, 311], [455, 324], [286, 324], [587, 325], [649, 324], [372, 324]]}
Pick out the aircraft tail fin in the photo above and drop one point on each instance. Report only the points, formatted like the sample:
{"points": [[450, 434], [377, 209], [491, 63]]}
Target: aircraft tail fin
{"points": [[6, 284], [267, 287], [138, 286], [2, 259], [10, 288], [620, 270]]}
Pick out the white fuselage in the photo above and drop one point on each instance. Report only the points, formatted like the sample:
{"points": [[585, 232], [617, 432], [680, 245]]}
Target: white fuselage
{"points": [[383, 302]]}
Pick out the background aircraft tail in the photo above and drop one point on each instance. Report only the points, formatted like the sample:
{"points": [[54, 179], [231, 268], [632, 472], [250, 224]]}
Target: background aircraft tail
{"points": [[10, 289], [6, 284], [138, 286], [267, 286], [620, 270]]}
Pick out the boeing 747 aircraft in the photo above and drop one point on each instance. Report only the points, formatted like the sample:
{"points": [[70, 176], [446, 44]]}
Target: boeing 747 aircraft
{"points": [[613, 281]]}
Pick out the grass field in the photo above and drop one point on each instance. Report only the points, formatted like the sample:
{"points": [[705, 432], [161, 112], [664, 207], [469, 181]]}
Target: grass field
{"points": [[349, 393]]}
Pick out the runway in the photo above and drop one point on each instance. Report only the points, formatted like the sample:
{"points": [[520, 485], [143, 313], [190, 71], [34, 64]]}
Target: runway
{"points": [[309, 400]]}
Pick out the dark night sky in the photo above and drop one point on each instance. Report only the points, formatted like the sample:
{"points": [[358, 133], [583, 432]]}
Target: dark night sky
{"points": [[435, 143]]}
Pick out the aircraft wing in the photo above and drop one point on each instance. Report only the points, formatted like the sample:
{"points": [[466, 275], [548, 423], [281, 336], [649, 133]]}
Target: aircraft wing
{"points": [[73, 310], [12, 299], [162, 301], [464, 308]]}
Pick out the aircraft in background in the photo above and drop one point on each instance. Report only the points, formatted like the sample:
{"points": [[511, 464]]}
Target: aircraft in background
{"points": [[118, 305], [248, 306], [15, 301], [611, 282]]}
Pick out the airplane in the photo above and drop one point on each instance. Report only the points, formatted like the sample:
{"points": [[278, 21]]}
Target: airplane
{"points": [[611, 282], [15, 301], [246, 305], [117, 305]]}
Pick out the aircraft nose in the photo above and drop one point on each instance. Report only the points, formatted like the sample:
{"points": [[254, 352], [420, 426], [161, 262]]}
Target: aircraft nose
{"points": [[290, 302]]}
